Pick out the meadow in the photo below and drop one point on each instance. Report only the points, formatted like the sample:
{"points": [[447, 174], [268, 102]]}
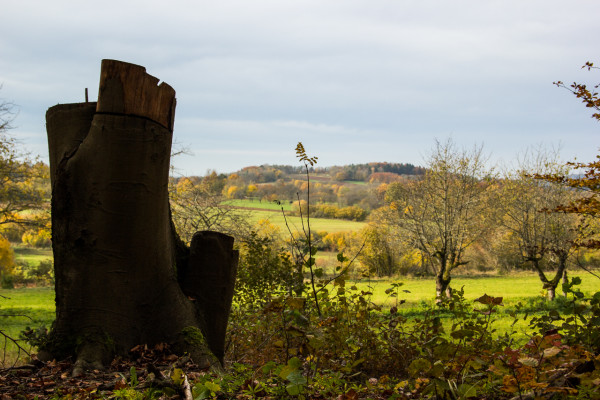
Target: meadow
{"points": [[270, 211], [295, 223], [20, 309], [30, 255], [260, 204], [34, 307]]}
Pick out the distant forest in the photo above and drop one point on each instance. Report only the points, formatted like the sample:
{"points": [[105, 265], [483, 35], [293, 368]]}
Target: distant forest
{"points": [[375, 171]]}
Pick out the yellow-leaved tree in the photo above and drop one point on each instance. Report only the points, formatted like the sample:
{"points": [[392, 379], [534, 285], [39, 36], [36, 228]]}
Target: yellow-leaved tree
{"points": [[7, 258], [24, 183]]}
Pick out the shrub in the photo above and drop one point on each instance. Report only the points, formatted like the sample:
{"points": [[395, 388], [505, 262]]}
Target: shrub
{"points": [[265, 271], [43, 273], [351, 213], [7, 281], [39, 238], [7, 257]]}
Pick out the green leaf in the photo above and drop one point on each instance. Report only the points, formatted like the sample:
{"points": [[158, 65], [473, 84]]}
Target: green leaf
{"points": [[341, 258], [213, 387], [467, 391], [418, 366], [177, 376], [200, 392], [295, 362], [293, 390], [463, 333], [297, 383], [437, 371], [554, 315], [133, 376], [316, 343], [297, 378], [292, 366], [358, 362], [268, 367]]}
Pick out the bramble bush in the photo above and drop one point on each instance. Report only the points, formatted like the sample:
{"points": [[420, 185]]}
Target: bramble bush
{"points": [[357, 349], [265, 270]]}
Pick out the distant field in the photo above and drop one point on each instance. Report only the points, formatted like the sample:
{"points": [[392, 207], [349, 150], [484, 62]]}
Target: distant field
{"points": [[295, 223], [356, 182], [265, 205], [31, 255]]}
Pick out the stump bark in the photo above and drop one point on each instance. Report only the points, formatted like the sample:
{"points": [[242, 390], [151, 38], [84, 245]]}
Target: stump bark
{"points": [[123, 276]]}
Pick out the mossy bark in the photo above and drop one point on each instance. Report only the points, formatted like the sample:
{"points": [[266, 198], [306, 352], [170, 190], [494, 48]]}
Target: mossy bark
{"points": [[115, 249]]}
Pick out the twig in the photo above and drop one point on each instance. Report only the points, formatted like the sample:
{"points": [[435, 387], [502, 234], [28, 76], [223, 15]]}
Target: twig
{"points": [[187, 390], [345, 269], [20, 348], [585, 269], [16, 315]]}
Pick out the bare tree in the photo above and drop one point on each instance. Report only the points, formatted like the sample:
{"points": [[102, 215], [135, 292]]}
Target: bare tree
{"points": [[7, 115], [443, 212], [196, 207], [541, 235]]}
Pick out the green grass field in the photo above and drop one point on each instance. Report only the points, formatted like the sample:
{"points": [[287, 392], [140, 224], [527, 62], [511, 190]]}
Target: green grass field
{"points": [[524, 288], [264, 210], [513, 288], [34, 307], [356, 182], [264, 205], [32, 256], [22, 308], [317, 224]]}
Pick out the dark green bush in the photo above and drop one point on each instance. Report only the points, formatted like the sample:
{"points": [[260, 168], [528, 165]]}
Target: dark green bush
{"points": [[265, 271]]}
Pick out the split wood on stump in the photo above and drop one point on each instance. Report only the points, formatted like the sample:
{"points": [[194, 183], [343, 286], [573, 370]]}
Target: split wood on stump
{"points": [[123, 276]]}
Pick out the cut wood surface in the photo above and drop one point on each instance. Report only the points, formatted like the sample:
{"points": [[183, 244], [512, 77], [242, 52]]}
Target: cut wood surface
{"points": [[127, 89]]}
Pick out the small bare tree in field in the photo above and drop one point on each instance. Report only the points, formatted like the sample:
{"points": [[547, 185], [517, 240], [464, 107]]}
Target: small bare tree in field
{"points": [[443, 212], [541, 236]]}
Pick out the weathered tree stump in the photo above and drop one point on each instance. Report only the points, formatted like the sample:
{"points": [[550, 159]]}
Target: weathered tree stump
{"points": [[116, 252]]}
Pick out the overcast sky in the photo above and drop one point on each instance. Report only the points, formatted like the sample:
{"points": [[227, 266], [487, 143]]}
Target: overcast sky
{"points": [[354, 80]]}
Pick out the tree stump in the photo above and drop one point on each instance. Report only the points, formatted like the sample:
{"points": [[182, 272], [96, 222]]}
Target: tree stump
{"points": [[123, 276]]}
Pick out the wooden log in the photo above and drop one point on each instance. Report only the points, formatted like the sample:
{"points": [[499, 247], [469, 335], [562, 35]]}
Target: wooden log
{"points": [[209, 278]]}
